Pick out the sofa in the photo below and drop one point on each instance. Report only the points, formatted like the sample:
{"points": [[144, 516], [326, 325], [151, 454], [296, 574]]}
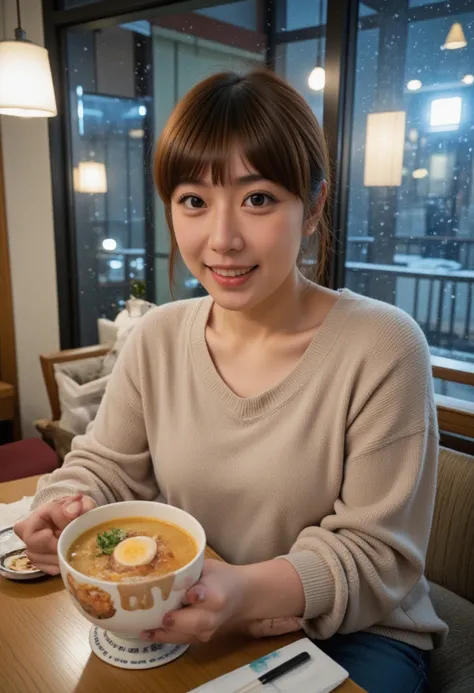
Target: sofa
{"points": [[450, 571]]}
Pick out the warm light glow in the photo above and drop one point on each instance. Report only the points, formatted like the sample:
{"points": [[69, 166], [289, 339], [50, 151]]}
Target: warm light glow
{"points": [[90, 177], [26, 86], [414, 85], [468, 79], [455, 38], [438, 167], [384, 146], [446, 112], [136, 134], [109, 244], [317, 79], [420, 173]]}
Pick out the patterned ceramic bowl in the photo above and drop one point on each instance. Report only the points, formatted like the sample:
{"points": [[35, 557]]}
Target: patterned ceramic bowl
{"points": [[129, 607]]}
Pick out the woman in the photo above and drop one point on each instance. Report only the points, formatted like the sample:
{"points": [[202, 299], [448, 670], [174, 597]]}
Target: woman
{"points": [[296, 423]]}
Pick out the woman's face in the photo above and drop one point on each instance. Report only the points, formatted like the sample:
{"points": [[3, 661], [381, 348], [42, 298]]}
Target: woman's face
{"points": [[240, 240]]}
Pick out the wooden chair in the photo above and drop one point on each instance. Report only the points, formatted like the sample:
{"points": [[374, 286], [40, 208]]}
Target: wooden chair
{"points": [[50, 430], [455, 416], [48, 362]]}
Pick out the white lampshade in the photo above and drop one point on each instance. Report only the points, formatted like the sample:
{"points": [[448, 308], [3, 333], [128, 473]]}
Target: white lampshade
{"points": [[455, 38], [90, 177], [384, 147], [317, 79], [26, 86]]}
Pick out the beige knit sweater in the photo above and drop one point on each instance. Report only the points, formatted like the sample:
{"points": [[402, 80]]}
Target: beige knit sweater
{"points": [[335, 467]]}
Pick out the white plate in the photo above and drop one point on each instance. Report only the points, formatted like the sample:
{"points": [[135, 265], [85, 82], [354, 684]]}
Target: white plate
{"points": [[12, 547]]}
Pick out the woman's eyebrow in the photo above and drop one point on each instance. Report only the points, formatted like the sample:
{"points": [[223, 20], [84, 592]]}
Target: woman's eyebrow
{"points": [[241, 180]]}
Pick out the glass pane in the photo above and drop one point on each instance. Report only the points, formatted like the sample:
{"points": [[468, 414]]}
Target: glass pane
{"points": [[298, 14], [411, 204], [297, 62], [302, 62], [124, 82]]}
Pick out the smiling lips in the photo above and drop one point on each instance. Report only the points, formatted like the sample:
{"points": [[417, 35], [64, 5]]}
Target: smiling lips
{"points": [[232, 272], [231, 276]]}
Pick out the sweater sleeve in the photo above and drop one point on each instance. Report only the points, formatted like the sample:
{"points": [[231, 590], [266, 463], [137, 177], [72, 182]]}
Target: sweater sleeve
{"points": [[111, 462], [362, 560]]}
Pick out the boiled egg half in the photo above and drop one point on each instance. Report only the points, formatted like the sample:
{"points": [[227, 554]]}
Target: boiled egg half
{"points": [[135, 551]]}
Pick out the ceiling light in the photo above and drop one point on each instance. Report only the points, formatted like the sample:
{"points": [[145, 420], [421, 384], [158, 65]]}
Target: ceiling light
{"points": [[317, 79], [109, 244], [420, 173], [26, 86], [414, 85], [455, 38]]}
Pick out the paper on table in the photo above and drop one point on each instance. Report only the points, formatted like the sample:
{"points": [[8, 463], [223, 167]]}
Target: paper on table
{"points": [[9, 514], [319, 675]]}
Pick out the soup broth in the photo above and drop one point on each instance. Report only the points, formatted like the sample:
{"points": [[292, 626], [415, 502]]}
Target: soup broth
{"points": [[131, 549]]}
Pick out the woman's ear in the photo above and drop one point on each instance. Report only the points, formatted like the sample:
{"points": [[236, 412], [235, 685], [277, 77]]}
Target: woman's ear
{"points": [[316, 211]]}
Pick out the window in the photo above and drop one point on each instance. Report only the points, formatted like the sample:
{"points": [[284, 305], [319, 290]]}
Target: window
{"points": [[410, 225], [123, 83], [300, 54]]}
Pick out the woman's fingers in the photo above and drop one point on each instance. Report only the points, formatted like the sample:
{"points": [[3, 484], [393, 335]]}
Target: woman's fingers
{"points": [[42, 542], [186, 625], [43, 558], [171, 637], [48, 568]]}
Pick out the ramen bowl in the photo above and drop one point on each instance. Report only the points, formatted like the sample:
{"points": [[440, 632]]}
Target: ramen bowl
{"points": [[120, 611]]}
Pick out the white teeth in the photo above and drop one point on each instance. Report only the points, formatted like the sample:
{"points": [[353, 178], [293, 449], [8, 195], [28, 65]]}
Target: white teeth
{"points": [[232, 272]]}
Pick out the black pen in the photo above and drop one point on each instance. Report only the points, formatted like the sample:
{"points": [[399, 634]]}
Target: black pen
{"points": [[275, 673]]}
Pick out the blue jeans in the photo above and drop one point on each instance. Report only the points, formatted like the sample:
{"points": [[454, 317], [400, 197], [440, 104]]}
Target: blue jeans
{"points": [[379, 664]]}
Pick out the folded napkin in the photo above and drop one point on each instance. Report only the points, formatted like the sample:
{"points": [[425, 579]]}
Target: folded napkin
{"points": [[319, 675], [9, 514]]}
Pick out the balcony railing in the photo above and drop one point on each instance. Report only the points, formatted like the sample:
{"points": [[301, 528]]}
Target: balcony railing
{"points": [[440, 301]]}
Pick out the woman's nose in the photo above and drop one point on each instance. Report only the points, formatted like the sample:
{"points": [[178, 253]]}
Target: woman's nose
{"points": [[225, 235]]}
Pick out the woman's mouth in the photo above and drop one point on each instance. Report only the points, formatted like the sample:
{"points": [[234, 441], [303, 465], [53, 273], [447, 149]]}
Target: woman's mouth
{"points": [[232, 276]]}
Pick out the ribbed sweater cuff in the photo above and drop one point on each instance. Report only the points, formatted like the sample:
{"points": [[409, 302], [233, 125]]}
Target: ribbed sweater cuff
{"points": [[49, 495], [317, 579]]}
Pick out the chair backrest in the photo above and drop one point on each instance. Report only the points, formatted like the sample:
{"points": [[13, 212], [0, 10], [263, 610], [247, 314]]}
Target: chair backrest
{"points": [[48, 362], [450, 557]]}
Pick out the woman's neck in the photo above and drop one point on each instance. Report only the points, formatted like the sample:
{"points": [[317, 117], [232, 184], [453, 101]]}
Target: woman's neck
{"points": [[285, 311]]}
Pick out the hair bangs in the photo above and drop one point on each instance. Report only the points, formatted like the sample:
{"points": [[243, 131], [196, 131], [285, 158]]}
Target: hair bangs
{"points": [[203, 131]]}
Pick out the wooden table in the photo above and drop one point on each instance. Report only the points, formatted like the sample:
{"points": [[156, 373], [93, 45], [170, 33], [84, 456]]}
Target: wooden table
{"points": [[44, 646], [7, 402]]}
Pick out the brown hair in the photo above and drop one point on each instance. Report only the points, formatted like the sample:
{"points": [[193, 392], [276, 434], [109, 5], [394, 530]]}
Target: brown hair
{"points": [[271, 123]]}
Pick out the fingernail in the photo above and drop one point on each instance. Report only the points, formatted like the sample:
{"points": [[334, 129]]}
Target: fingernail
{"points": [[200, 593], [73, 508], [168, 621], [148, 634]]}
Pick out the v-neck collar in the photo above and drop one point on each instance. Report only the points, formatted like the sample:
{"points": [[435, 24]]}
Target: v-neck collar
{"points": [[321, 343]]}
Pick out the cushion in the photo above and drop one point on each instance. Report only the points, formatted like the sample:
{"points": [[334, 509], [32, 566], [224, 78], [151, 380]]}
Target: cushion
{"points": [[26, 458], [450, 557], [452, 665]]}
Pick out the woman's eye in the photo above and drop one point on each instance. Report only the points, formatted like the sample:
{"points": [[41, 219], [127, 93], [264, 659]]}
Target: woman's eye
{"points": [[192, 202], [259, 200]]}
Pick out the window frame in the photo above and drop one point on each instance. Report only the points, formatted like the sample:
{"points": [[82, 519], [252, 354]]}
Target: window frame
{"points": [[341, 30]]}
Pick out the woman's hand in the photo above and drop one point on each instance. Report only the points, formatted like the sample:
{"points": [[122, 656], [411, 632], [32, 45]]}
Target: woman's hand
{"points": [[225, 600], [217, 600], [41, 529]]}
